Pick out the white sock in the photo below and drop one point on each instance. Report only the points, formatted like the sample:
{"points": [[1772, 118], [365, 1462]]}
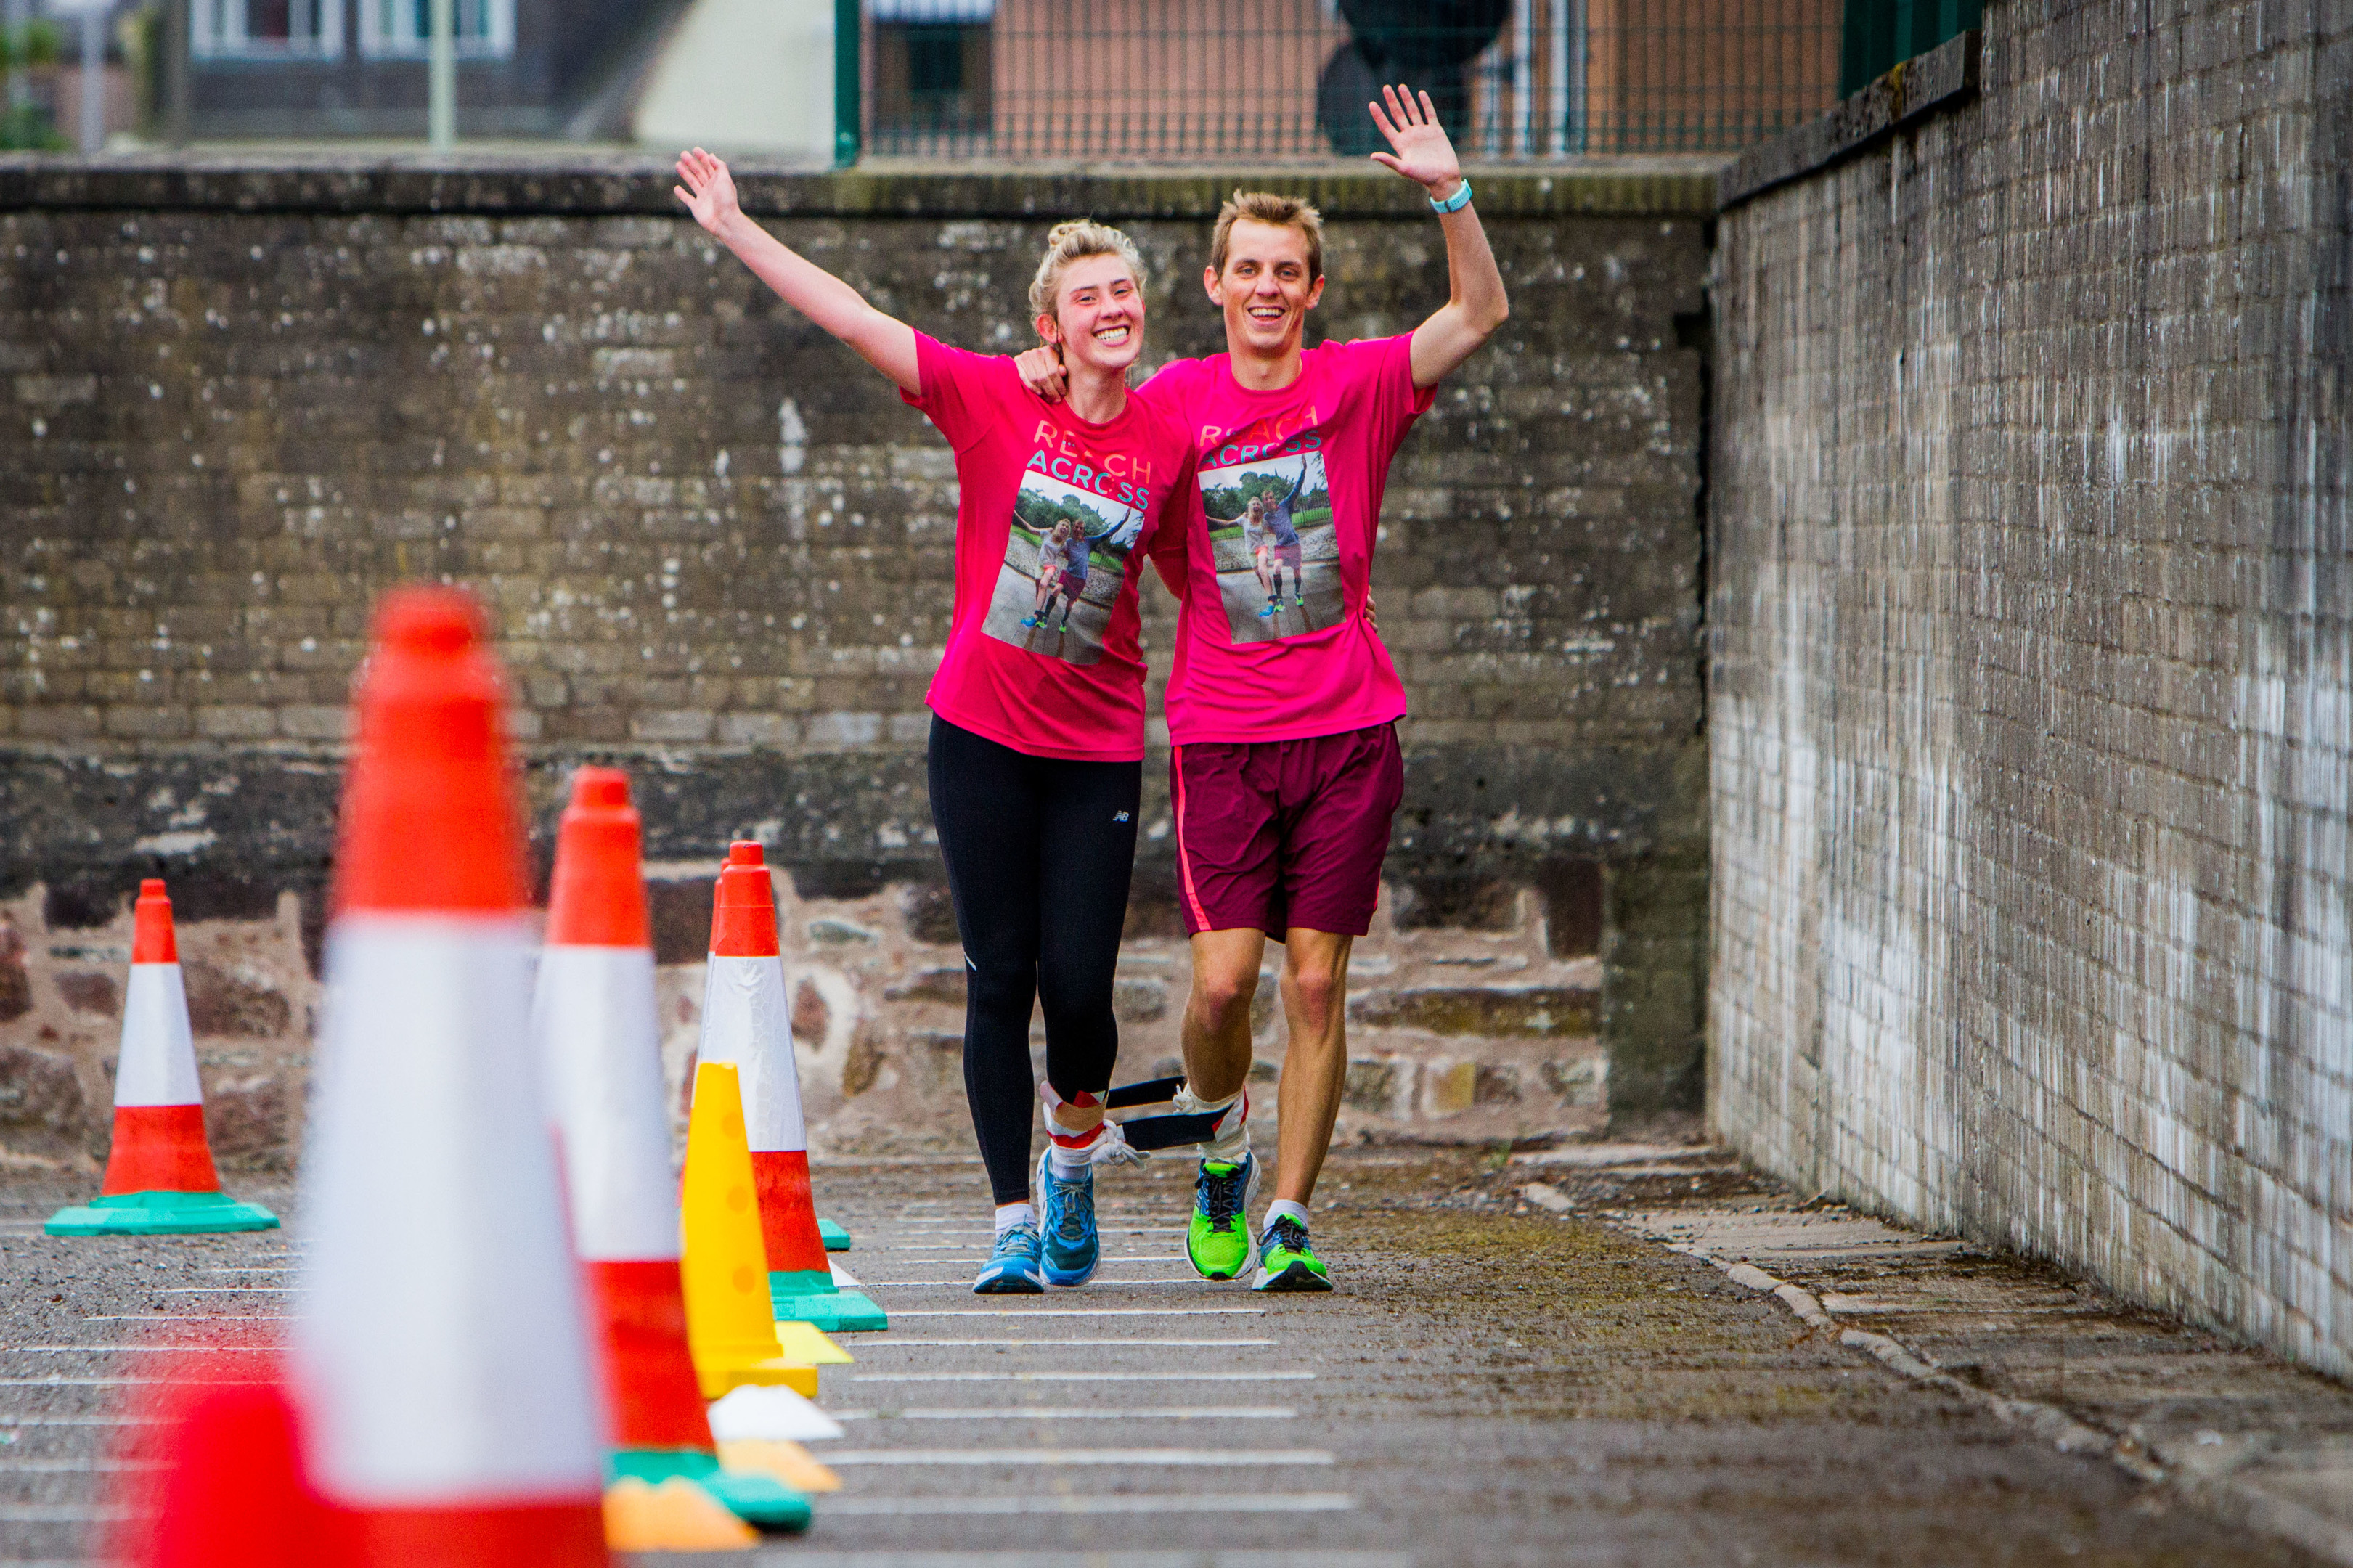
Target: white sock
{"points": [[1231, 1142], [1067, 1163], [1277, 1209], [1010, 1214]]}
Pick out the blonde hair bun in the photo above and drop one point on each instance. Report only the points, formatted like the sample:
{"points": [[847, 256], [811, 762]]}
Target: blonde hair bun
{"points": [[1075, 239]]}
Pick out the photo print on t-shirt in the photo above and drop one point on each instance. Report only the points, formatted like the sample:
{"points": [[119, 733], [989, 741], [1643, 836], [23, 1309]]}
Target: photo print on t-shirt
{"points": [[1065, 559], [1277, 551]]}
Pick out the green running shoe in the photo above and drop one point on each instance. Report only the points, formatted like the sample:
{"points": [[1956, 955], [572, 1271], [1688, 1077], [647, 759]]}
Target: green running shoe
{"points": [[1286, 1262], [1217, 1240]]}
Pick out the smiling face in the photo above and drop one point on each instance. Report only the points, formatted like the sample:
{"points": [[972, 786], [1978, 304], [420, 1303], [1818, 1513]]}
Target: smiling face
{"points": [[1265, 289], [1098, 314]]}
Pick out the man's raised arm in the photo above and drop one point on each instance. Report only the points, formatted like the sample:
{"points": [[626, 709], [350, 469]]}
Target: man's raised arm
{"points": [[1475, 305]]}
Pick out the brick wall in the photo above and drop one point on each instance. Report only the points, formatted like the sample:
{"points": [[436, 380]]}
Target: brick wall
{"points": [[242, 398], [2031, 681]]}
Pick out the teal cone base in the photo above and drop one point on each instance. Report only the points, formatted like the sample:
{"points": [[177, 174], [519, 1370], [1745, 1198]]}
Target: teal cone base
{"points": [[814, 1298], [160, 1214], [836, 1239], [760, 1500]]}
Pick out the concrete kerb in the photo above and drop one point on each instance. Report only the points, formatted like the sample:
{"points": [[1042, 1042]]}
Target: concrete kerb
{"points": [[2206, 1486]]}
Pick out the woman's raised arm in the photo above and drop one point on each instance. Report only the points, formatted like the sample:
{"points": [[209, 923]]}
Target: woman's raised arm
{"points": [[886, 343]]}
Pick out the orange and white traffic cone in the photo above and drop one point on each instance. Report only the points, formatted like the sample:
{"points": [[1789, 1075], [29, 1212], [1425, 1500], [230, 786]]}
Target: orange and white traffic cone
{"points": [[440, 1362], [593, 1013], [160, 1179], [745, 1021]]}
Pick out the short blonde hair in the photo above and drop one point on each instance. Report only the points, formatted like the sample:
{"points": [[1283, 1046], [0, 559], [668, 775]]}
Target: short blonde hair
{"points": [[1282, 211], [1075, 241]]}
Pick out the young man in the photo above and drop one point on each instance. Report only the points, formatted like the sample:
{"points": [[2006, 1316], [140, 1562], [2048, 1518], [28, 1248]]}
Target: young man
{"points": [[1285, 770]]}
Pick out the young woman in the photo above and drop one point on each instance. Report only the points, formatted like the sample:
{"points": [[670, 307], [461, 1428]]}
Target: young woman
{"points": [[1037, 745]]}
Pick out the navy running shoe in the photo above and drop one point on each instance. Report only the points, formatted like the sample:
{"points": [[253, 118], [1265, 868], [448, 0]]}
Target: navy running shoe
{"points": [[1071, 1248], [1012, 1270]]}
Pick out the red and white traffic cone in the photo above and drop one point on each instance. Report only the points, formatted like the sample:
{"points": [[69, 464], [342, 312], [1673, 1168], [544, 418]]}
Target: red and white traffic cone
{"points": [[594, 1017], [160, 1179], [745, 1021], [212, 1477], [440, 1360]]}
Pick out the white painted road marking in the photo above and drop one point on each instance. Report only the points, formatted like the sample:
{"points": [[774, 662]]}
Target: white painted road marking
{"points": [[896, 1343], [189, 1318], [1285, 1376], [1093, 1503], [137, 1349], [1081, 1312], [1024, 1413], [966, 1284], [839, 1458], [74, 1467]]}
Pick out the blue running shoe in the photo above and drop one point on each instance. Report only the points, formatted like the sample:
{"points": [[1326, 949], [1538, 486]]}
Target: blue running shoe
{"points": [[1072, 1246], [1273, 605], [1012, 1270]]}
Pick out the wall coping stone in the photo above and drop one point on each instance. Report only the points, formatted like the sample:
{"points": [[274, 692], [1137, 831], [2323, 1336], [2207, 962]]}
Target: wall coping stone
{"points": [[569, 183], [1946, 74]]}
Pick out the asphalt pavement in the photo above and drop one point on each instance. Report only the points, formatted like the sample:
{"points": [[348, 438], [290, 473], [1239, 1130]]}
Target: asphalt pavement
{"points": [[1500, 1378]]}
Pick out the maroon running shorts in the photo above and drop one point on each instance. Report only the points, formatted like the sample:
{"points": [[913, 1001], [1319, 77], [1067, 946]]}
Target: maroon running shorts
{"points": [[1277, 833]]}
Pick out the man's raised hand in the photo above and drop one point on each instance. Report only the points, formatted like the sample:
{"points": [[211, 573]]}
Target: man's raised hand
{"points": [[1421, 150], [1042, 371], [707, 189]]}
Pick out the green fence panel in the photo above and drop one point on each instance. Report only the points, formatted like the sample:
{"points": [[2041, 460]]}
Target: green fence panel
{"points": [[1881, 35]]}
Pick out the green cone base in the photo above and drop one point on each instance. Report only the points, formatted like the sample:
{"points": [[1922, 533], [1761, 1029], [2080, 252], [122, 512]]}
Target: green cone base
{"points": [[836, 1239], [160, 1214], [760, 1500], [814, 1298]]}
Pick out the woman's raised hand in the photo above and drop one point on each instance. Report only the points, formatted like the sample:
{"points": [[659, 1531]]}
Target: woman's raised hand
{"points": [[708, 189]]}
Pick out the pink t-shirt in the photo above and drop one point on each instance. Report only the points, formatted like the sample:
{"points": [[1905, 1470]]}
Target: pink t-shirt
{"points": [[1050, 512], [1273, 643]]}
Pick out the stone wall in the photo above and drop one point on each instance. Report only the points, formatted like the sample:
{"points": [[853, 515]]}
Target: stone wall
{"points": [[245, 398], [2030, 699]]}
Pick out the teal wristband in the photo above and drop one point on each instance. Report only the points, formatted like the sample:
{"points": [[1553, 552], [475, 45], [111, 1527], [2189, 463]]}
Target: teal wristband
{"points": [[1453, 204]]}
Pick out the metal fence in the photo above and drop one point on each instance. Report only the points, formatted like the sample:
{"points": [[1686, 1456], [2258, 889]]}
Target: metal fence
{"points": [[1175, 80]]}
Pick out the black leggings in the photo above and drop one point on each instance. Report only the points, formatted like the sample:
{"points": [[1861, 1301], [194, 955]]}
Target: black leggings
{"points": [[1039, 853]]}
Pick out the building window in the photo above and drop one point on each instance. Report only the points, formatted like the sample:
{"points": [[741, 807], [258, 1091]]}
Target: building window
{"points": [[486, 28], [267, 29], [933, 63]]}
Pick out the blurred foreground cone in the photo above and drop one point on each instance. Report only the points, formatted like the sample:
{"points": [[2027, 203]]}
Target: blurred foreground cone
{"points": [[592, 1015], [747, 1022], [439, 1363], [159, 1177], [214, 1477], [728, 1326]]}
